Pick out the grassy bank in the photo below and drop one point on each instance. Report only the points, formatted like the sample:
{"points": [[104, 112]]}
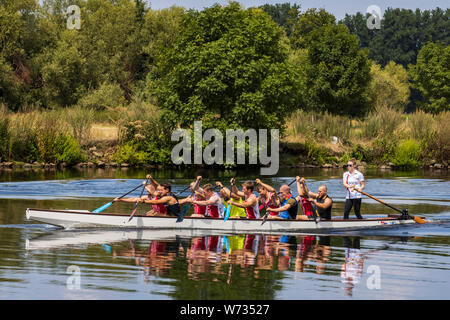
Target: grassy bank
{"points": [[136, 135], [385, 136]]}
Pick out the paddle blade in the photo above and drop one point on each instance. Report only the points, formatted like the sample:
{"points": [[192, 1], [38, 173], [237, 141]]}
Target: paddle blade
{"points": [[103, 207], [183, 213], [419, 220], [227, 213]]}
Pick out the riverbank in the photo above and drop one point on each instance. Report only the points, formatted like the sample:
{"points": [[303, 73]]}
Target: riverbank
{"points": [[11, 165], [134, 137]]}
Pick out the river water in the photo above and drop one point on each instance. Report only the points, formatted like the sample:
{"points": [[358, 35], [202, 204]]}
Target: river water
{"points": [[39, 261]]}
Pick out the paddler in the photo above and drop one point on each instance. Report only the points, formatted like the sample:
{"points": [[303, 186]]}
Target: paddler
{"points": [[250, 203], [213, 202], [268, 198], [321, 200], [226, 194], [302, 199], [199, 195], [168, 199], [289, 205], [153, 190]]}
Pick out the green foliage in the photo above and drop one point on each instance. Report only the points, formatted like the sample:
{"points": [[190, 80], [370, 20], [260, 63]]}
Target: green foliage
{"points": [[382, 150], [23, 143], [357, 25], [79, 121], [381, 122], [402, 34], [284, 14], [338, 74], [308, 22], [315, 153], [9, 88], [431, 76], [421, 124], [67, 150], [106, 96], [358, 152], [128, 153], [320, 126], [5, 135], [407, 154], [389, 87], [436, 144], [144, 130], [63, 70], [227, 67]]}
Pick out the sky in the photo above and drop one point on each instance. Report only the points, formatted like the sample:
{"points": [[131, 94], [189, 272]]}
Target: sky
{"points": [[337, 7]]}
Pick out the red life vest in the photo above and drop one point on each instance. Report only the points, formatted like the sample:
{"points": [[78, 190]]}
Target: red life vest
{"points": [[306, 207], [198, 209], [252, 212], [268, 204], [213, 210], [160, 208]]}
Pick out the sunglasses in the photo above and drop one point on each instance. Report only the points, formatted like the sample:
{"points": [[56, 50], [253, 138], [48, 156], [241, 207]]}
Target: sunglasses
{"points": [[349, 165]]}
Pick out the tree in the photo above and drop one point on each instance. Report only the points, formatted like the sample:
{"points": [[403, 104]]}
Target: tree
{"points": [[389, 87], [284, 14], [402, 33], [357, 25], [228, 68], [431, 76], [308, 22], [337, 74]]}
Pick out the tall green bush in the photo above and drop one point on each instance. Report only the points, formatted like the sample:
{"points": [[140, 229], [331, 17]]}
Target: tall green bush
{"points": [[67, 150], [407, 154]]}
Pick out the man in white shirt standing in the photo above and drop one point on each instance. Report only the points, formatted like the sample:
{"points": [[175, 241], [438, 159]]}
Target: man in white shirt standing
{"points": [[353, 179]]}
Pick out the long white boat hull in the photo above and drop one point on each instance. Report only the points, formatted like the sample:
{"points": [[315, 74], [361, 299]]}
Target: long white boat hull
{"points": [[71, 219]]}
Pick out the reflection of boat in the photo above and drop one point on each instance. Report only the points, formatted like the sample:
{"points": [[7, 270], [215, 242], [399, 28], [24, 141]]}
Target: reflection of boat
{"points": [[84, 219], [63, 238]]}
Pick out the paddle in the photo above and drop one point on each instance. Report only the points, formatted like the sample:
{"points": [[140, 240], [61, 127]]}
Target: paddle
{"points": [[186, 207], [266, 216], [228, 211], [317, 219], [404, 212], [180, 192], [103, 207], [137, 203]]}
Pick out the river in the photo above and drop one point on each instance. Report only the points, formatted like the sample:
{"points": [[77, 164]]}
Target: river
{"points": [[39, 261]]}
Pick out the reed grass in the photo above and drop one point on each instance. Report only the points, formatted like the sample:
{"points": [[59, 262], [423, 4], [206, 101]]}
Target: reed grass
{"points": [[381, 122], [319, 126]]}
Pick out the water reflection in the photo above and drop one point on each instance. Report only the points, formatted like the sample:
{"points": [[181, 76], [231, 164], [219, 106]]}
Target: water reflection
{"points": [[220, 258], [192, 265]]}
